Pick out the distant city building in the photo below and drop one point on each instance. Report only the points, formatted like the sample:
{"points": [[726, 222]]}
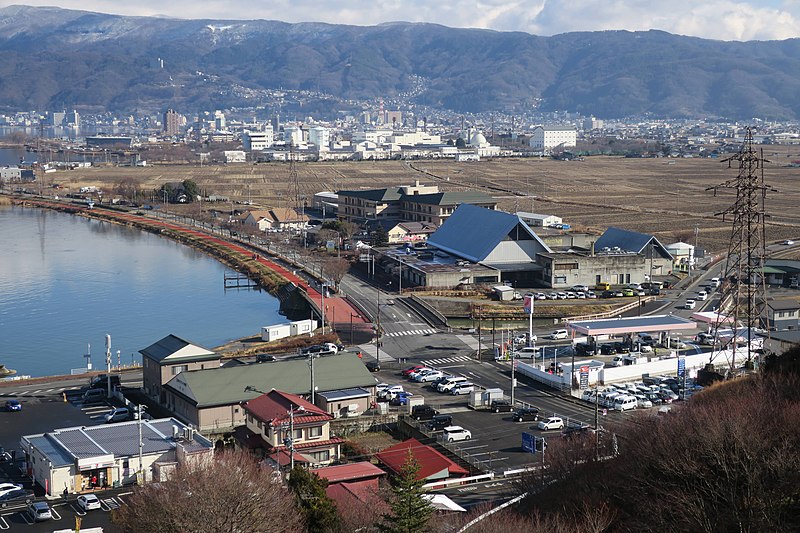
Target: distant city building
{"points": [[257, 140], [592, 123], [235, 156], [101, 141], [173, 122], [320, 137], [293, 135], [219, 120], [73, 119], [549, 137], [57, 118], [393, 118]]}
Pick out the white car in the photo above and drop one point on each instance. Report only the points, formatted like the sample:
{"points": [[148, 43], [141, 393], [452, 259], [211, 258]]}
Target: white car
{"points": [[553, 422], [702, 296], [788, 242], [433, 375], [690, 304], [455, 433], [88, 502], [389, 392], [8, 487], [580, 288], [540, 296], [559, 334], [581, 295], [591, 295], [413, 375], [643, 402], [381, 387]]}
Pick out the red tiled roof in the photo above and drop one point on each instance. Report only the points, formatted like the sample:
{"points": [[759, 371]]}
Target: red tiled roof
{"points": [[319, 444], [282, 457], [430, 461], [273, 408], [346, 494], [349, 472]]}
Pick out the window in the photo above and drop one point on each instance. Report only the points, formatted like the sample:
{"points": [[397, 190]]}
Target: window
{"points": [[627, 278], [315, 431], [621, 278], [298, 434], [560, 279], [598, 279], [178, 369], [321, 456]]}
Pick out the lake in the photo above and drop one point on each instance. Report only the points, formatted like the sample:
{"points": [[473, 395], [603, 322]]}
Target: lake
{"points": [[67, 281]]}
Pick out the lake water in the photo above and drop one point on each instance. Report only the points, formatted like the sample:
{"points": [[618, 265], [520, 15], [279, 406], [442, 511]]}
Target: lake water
{"points": [[66, 281]]}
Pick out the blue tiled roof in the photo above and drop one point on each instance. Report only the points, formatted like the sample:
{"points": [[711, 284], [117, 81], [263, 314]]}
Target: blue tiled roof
{"points": [[472, 232], [628, 241]]}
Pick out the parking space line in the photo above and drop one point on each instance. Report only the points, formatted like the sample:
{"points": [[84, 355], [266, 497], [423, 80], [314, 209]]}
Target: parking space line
{"points": [[55, 514], [4, 524], [78, 510]]}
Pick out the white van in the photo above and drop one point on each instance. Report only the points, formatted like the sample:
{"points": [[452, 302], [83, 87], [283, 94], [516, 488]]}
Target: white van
{"points": [[462, 388], [559, 334], [528, 352], [448, 384], [607, 399], [624, 402]]}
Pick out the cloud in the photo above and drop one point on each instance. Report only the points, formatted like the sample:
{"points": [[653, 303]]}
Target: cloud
{"points": [[714, 19]]}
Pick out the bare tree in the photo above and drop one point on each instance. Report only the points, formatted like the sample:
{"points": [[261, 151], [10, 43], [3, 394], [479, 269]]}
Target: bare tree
{"points": [[230, 493], [335, 268]]}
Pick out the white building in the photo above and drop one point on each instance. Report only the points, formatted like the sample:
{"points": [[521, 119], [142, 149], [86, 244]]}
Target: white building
{"points": [[375, 136], [293, 135], [257, 140], [415, 139], [320, 137], [548, 137], [234, 156], [70, 458], [539, 221]]}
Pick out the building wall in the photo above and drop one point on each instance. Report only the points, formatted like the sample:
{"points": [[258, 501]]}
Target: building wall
{"points": [[223, 416], [257, 140], [514, 252], [566, 270], [339, 408], [544, 139], [155, 375]]}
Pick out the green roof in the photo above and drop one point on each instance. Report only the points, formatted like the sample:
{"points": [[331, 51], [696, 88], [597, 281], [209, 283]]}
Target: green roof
{"points": [[770, 270], [225, 385]]}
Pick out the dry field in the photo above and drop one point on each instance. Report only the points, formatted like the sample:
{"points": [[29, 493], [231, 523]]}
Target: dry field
{"points": [[666, 197]]}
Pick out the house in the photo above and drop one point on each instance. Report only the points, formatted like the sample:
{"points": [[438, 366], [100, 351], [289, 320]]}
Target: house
{"points": [[285, 218], [411, 232], [259, 218], [281, 422], [344, 403], [683, 255], [211, 399], [536, 220], [621, 241], [166, 358], [433, 466], [355, 486], [70, 458], [783, 315], [435, 208]]}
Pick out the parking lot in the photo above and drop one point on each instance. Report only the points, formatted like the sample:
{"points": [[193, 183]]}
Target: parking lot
{"points": [[43, 410]]}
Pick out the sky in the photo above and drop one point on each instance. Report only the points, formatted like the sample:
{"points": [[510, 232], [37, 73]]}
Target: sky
{"points": [[739, 20]]}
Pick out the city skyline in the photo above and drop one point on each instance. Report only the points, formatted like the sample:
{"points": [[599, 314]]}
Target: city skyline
{"points": [[738, 20]]}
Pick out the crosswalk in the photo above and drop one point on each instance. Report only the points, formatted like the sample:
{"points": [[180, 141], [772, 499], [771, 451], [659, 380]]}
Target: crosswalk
{"points": [[445, 360], [410, 332]]}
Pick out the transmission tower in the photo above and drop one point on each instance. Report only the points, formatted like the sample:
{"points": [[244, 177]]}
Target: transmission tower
{"points": [[743, 298]]}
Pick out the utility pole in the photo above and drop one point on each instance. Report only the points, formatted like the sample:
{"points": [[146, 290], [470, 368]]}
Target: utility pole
{"points": [[108, 366], [378, 328], [322, 307], [596, 421], [513, 378], [479, 333], [141, 444], [311, 364]]}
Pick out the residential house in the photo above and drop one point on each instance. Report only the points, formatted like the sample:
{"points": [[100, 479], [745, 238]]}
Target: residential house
{"points": [[411, 232], [354, 486], [286, 422], [783, 315], [433, 465], [166, 358]]}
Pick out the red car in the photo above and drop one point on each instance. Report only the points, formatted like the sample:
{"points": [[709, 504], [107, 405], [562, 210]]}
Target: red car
{"points": [[410, 369]]}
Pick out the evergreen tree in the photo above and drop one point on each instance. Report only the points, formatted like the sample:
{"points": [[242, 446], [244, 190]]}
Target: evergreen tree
{"points": [[319, 511], [410, 511], [380, 236]]}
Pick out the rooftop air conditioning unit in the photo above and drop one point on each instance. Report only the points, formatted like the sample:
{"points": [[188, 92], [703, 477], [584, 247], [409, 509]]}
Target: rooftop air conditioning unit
{"points": [[176, 433]]}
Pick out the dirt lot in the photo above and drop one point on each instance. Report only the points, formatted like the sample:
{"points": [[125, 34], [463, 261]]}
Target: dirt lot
{"points": [[666, 197]]}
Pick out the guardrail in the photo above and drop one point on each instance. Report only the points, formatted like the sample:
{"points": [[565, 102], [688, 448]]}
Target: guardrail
{"points": [[429, 309], [612, 313]]}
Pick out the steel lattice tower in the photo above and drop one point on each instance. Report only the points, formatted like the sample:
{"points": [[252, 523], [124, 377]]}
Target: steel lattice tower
{"points": [[294, 181], [743, 291]]}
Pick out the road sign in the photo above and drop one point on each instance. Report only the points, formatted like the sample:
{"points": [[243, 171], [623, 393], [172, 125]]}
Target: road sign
{"points": [[681, 366], [584, 377], [528, 442]]}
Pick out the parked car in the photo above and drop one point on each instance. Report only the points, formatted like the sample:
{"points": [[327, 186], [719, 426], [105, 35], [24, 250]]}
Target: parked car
{"points": [[607, 349], [705, 338], [501, 406], [265, 358], [559, 334], [88, 502], [435, 383], [628, 292], [580, 288], [381, 387], [423, 412], [438, 422], [389, 392], [101, 381], [448, 384], [591, 295], [411, 369], [456, 433], [5, 488], [642, 401], [607, 294], [39, 511], [119, 414], [94, 396], [462, 388], [401, 398], [13, 405], [16, 497], [654, 398], [553, 422], [583, 349], [621, 347], [425, 377], [540, 296], [373, 366], [418, 372], [617, 361], [526, 414]]}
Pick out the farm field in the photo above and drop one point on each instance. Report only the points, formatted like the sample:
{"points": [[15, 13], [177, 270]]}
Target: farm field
{"points": [[666, 197]]}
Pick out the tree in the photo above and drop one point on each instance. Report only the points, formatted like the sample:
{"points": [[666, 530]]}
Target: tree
{"points": [[319, 511], [128, 188], [410, 512], [335, 268], [230, 492], [191, 189], [461, 143], [380, 236]]}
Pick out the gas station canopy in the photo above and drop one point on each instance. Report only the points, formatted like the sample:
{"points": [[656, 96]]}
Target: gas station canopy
{"points": [[635, 324]]}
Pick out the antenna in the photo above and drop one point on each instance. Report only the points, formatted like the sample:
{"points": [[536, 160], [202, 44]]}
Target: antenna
{"points": [[744, 289]]}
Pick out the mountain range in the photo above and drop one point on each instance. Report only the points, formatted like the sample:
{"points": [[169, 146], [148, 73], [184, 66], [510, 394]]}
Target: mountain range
{"points": [[54, 58]]}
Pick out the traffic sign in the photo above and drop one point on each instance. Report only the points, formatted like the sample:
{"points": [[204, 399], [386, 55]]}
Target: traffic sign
{"points": [[681, 366], [528, 442]]}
